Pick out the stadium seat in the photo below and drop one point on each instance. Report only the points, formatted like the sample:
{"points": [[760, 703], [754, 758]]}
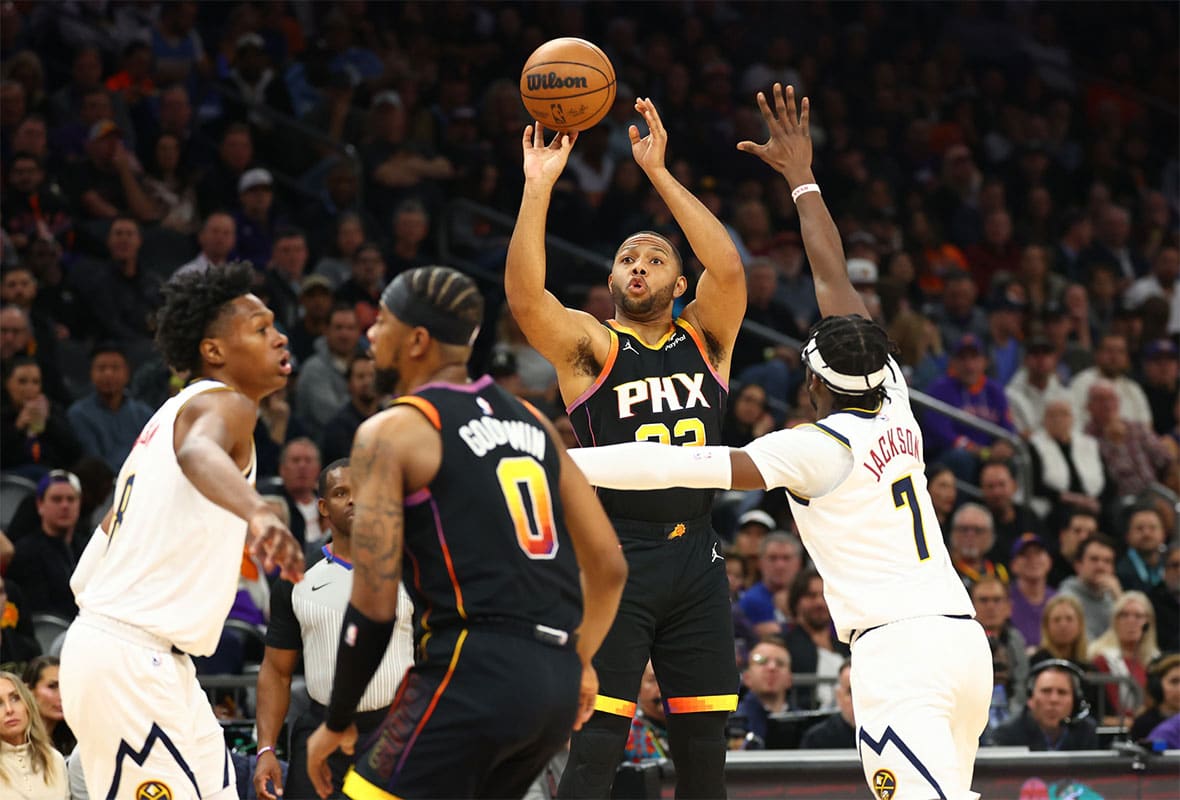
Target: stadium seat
{"points": [[48, 627], [13, 489]]}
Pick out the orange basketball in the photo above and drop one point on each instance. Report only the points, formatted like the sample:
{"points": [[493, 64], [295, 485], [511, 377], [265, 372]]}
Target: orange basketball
{"points": [[568, 84]]}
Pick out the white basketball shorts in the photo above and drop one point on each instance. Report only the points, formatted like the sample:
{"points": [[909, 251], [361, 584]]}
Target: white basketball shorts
{"points": [[144, 726], [920, 693]]}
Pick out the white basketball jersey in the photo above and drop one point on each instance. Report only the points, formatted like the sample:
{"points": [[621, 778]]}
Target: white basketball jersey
{"points": [[873, 536], [171, 561]]}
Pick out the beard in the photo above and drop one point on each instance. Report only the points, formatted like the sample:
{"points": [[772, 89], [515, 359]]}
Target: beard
{"points": [[637, 308], [386, 380]]}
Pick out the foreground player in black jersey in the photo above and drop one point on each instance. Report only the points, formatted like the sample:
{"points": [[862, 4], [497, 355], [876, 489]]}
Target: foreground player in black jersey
{"points": [[496, 522], [645, 376]]}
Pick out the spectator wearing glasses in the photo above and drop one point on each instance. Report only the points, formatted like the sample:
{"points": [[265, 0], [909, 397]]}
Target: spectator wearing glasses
{"points": [[1124, 650], [993, 610], [768, 679], [972, 536]]}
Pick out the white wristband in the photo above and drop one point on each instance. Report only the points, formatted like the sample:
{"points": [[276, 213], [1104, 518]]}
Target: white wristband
{"points": [[647, 465], [263, 750], [804, 189]]}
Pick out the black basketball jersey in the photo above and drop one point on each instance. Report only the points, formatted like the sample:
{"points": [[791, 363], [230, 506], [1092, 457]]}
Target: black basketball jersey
{"points": [[667, 392], [487, 538]]}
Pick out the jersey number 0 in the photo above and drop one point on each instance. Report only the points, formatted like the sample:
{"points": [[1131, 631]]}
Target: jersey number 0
{"points": [[526, 492]]}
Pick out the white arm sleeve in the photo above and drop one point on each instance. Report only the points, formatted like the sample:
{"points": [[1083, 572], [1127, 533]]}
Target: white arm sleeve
{"points": [[648, 465], [805, 460]]}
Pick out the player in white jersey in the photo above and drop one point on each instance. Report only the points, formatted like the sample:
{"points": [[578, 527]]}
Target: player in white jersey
{"points": [[158, 578], [305, 620], [921, 667]]}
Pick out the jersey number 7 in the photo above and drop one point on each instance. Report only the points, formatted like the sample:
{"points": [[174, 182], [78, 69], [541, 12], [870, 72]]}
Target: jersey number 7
{"points": [[904, 494]]}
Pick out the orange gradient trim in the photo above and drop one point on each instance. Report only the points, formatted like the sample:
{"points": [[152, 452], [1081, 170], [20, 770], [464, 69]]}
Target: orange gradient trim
{"points": [[611, 355], [611, 705], [423, 405], [710, 702], [438, 693], [696, 338]]}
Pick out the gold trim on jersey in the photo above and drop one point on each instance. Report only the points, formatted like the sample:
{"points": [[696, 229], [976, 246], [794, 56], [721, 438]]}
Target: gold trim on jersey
{"points": [[358, 787], [827, 433], [658, 345]]}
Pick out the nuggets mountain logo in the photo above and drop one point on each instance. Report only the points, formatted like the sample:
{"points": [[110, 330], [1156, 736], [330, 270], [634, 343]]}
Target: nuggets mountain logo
{"points": [[153, 790], [884, 784]]}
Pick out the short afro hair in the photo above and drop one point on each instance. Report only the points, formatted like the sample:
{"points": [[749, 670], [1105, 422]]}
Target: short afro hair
{"points": [[193, 301]]}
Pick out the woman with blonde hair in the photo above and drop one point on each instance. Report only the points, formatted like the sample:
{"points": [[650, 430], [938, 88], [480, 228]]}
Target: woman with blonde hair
{"points": [[1063, 633], [1124, 650], [30, 768]]}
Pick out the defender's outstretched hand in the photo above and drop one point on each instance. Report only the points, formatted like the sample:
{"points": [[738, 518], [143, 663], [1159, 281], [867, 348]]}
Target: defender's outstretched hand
{"points": [[788, 150], [648, 150], [545, 162], [272, 543]]}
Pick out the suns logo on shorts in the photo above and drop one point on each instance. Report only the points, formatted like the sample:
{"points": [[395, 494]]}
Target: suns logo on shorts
{"points": [[678, 531], [884, 784], [153, 790]]}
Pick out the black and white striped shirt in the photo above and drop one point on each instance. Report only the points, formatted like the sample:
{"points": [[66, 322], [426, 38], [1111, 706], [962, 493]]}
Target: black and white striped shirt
{"points": [[308, 617]]}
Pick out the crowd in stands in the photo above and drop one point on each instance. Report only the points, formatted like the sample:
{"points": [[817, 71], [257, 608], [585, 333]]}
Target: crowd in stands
{"points": [[1005, 179]]}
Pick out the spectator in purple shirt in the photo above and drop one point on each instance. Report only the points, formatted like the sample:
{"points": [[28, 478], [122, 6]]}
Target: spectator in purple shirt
{"points": [[966, 387], [1029, 590]]}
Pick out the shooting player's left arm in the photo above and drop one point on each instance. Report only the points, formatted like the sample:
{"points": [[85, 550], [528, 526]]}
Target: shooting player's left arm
{"points": [[721, 295]]}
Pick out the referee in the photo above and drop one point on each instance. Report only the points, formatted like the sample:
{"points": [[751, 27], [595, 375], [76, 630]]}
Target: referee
{"points": [[306, 619]]}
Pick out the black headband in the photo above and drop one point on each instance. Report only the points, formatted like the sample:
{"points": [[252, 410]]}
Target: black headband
{"points": [[398, 298]]}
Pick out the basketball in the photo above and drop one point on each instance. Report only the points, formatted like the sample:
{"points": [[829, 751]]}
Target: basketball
{"points": [[568, 84]]}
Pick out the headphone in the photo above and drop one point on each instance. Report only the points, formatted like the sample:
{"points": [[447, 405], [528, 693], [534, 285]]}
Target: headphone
{"points": [[1081, 708]]}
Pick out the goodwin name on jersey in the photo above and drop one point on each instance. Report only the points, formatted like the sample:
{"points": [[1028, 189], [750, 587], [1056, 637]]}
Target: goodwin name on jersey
{"points": [[484, 434]]}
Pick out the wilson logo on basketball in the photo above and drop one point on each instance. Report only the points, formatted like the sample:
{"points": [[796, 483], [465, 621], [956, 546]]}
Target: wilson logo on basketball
{"points": [[554, 81]]}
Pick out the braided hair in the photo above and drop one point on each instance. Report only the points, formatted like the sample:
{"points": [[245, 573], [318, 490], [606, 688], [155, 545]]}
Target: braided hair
{"points": [[443, 300], [853, 345], [193, 301]]}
